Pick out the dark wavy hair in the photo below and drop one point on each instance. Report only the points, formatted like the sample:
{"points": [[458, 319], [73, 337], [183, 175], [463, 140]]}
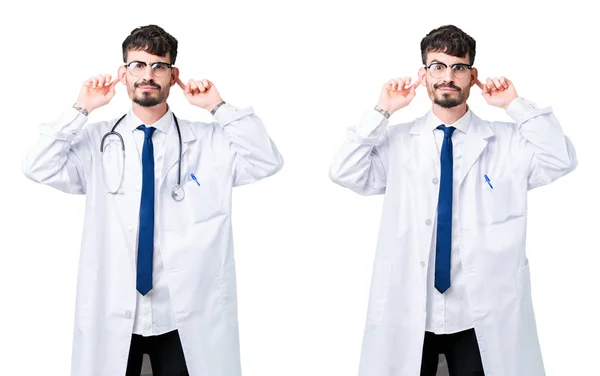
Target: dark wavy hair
{"points": [[152, 39], [450, 40]]}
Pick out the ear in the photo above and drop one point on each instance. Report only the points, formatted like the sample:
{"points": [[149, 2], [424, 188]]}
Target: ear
{"points": [[174, 76], [421, 75], [474, 75], [122, 73]]}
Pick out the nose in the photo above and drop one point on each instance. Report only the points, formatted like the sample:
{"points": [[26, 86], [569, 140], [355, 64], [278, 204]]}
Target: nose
{"points": [[148, 74], [448, 74]]}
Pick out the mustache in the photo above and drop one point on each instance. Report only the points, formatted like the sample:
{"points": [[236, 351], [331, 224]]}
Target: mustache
{"points": [[146, 83], [448, 85]]}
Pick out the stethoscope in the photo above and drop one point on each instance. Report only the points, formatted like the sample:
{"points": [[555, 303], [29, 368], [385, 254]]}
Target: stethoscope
{"points": [[177, 192]]}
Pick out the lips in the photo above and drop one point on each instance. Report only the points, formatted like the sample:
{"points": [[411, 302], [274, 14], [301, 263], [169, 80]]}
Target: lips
{"points": [[147, 85]]}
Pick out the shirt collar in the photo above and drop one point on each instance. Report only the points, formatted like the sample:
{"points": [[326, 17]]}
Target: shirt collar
{"points": [[163, 124], [463, 124]]}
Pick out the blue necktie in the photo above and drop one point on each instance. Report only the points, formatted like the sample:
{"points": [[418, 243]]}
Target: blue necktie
{"points": [[444, 218], [146, 231]]}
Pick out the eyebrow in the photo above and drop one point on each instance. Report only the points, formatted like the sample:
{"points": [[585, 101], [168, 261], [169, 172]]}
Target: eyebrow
{"points": [[140, 61], [449, 65]]}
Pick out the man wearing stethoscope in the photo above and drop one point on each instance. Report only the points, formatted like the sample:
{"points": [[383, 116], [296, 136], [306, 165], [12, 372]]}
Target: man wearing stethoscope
{"points": [[156, 271]]}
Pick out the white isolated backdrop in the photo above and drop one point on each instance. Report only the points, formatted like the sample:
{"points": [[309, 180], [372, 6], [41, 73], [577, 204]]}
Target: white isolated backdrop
{"points": [[304, 246]]}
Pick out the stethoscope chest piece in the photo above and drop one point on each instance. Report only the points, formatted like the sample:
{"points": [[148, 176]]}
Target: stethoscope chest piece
{"points": [[178, 193]]}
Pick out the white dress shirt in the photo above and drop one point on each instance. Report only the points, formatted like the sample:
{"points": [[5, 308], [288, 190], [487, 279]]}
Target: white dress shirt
{"points": [[154, 313], [449, 312]]}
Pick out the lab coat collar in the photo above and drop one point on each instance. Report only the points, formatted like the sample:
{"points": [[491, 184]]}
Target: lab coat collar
{"points": [[478, 132]]}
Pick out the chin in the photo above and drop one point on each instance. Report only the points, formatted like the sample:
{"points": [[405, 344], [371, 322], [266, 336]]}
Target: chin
{"points": [[447, 102], [147, 102]]}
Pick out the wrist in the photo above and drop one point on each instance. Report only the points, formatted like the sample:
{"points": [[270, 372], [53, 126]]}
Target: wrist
{"points": [[383, 110], [213, 108], [507, 104], [85, 110]]}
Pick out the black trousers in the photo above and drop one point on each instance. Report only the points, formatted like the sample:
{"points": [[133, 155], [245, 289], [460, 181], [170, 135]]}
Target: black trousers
{"points": [[461, 352], [165, 352]]}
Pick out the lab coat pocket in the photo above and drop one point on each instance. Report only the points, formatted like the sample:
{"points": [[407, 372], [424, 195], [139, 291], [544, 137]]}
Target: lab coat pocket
{"points": [[502, 201], [205, 199], [380, 288], [86, 287]]}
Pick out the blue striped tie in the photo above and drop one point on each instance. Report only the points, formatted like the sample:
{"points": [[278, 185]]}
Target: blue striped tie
{"points": [[146, 231], [444, 218]]}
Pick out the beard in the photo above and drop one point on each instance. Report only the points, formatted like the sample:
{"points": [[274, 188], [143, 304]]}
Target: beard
{"points": [[149, 98], [448, 100]]}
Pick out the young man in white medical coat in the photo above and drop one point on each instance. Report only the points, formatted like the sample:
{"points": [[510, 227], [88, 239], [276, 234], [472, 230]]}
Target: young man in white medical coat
{"points": [[451, 274], [156, 270]]}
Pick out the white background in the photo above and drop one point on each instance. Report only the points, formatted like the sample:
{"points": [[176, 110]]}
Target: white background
{"points": [[304, 246]]}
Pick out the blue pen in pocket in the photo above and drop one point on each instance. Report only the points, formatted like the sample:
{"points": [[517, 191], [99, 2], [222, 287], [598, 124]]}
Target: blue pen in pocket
{"points": [[488, 181], [194, 179]]}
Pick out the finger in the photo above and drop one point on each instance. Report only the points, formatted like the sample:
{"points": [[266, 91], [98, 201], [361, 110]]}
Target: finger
{"points": [[206, 84], [180, 83], [486, 90], [115, 82], [201, 86], [107, 79], [193, 87], [99, 80], [406, 82], [479, 84], [498, 84], [490, 84], [111, 89], [416, 84], [89, 82]]}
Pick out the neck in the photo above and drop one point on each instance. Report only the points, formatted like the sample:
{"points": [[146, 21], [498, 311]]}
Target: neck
{"points": [[150, 115], [450, 115]]}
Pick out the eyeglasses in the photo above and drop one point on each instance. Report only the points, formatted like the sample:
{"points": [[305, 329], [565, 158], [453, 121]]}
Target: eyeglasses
{"points": [[438, 70], [138, 68]]}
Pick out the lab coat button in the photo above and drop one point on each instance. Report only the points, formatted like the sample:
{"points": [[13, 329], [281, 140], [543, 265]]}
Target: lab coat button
{"points": [[128, 314], [428, 222], [422, 264], [130, 228], [435, 181]]}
